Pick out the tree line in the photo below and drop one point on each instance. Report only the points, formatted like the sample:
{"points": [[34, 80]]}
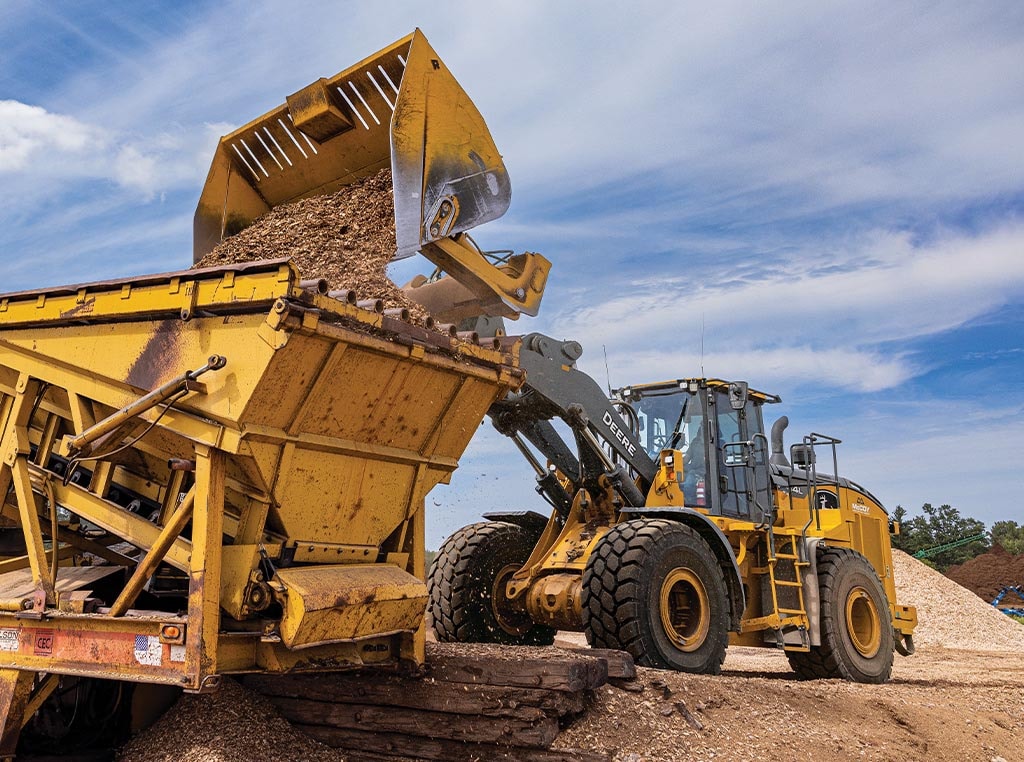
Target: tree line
{"points": [[943, 524]]}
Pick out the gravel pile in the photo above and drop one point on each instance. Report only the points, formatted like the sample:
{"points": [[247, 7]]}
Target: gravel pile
{"points": [[346, 237], [950, 615], [231, 725], [985, 575]]}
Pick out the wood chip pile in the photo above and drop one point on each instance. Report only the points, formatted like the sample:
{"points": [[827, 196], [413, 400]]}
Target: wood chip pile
{"points": [[985, 575], [231, 725], [950, 615], [347, 238]]}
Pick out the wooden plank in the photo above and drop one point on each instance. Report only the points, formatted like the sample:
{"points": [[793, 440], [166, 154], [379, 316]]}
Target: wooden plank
{"points": [[420, 693], [19, 584], [372, 746], [517, 667], [620, 663], [400, 720]]}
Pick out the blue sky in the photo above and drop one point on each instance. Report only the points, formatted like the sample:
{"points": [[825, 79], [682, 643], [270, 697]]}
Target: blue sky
{"points": [[830, 194]]}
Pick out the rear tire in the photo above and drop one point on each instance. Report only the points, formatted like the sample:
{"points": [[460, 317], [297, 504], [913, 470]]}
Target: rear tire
{"points": [[654, 588], [857, 639], [466, 584]]}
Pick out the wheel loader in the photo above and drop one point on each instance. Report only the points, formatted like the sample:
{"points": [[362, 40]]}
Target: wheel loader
{"points": [[219, 471], [677, 527]]}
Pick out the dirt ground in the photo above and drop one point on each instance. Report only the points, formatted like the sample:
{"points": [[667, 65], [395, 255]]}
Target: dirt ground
{"points": [[942, 704], [960, 697]]}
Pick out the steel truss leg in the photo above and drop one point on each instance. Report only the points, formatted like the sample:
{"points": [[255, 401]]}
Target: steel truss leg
{"points": [[15, 693]]}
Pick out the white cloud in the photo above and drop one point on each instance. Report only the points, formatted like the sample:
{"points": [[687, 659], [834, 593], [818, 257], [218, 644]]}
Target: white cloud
{"points": [[823, 321], [768, 369], [133, 169], [46, 147], [937, 451], [846, 102], [30, 134]]}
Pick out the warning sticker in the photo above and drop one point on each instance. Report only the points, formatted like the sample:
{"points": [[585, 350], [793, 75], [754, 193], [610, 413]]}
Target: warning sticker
{"points": [[149, 651], [178, 654], [10, 639], [42, 643]]}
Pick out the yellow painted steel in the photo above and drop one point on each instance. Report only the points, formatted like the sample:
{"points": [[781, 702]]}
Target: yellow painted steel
{"points": [[316, 443], [402, 109], [357, 601], [547, 584], [267, 515]]}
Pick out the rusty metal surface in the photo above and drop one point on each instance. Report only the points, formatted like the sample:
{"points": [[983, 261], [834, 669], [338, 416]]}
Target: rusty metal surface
{"points": [[335, 603], [93, 645], [15, 691]]}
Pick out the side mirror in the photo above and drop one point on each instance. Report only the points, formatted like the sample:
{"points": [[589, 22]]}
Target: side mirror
{"points": [[738, 394]]}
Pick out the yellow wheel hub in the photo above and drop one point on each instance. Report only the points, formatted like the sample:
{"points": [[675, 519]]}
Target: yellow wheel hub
{"points": [[863, 622], [685, 615]]}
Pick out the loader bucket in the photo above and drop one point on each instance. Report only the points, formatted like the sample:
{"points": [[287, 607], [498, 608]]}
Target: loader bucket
{"points": [[400, 108]]}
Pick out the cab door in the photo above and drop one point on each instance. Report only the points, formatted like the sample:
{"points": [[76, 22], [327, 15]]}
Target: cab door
{"points": [[742, 478]]}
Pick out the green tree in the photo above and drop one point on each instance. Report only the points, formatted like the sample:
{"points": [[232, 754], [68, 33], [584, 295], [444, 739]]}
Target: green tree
{"points": [[902, 540], [938, 526], [1009, 535]]}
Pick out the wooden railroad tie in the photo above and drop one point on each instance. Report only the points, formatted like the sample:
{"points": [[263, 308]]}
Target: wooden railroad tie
{"points": [[474, 702]]}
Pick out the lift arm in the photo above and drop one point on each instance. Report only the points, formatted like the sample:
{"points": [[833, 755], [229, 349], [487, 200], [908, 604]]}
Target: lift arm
{"points": [[606, 445]]}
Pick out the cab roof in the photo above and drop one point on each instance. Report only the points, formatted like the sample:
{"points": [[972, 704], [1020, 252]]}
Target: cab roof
{"points": [[689, 384]]}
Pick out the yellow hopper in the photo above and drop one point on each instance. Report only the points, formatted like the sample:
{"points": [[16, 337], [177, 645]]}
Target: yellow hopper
{"points": [[218, 471]]}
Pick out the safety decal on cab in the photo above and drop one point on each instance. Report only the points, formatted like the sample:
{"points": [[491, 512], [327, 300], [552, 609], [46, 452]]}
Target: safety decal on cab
{"points": [[149, 651]]}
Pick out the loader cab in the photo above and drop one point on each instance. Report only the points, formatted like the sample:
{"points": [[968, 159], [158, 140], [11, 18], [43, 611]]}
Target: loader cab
{"points": [[719, 428]]}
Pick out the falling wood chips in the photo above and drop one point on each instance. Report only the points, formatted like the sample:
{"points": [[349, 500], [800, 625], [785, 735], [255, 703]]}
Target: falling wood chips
{"points": [[346, 237]]}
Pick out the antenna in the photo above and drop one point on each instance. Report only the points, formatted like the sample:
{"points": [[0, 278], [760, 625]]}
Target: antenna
{"points": [[607, 373], [702, 345]]}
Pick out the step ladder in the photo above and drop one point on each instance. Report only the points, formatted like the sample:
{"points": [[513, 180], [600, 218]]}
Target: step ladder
{"points": [[782, 617]]}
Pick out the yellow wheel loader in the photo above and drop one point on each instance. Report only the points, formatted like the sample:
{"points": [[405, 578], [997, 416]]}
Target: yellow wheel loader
{"points": [[677, 527], [219, 471]]}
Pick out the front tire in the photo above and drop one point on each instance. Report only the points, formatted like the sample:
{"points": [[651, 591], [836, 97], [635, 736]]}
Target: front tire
{"points": [[466, 584], [857, 639], [654, 588]]}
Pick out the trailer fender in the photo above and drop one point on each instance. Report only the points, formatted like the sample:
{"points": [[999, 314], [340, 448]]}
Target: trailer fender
{"points": [[719, 545]]}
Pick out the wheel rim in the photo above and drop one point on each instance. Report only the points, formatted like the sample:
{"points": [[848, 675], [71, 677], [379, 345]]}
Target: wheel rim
{"points": [[685, 614], [511, 618], [863, 622]]}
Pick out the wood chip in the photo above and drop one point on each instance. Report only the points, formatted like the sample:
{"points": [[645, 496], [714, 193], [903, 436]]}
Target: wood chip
{"points": [[346, 237], [231, 725]]}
